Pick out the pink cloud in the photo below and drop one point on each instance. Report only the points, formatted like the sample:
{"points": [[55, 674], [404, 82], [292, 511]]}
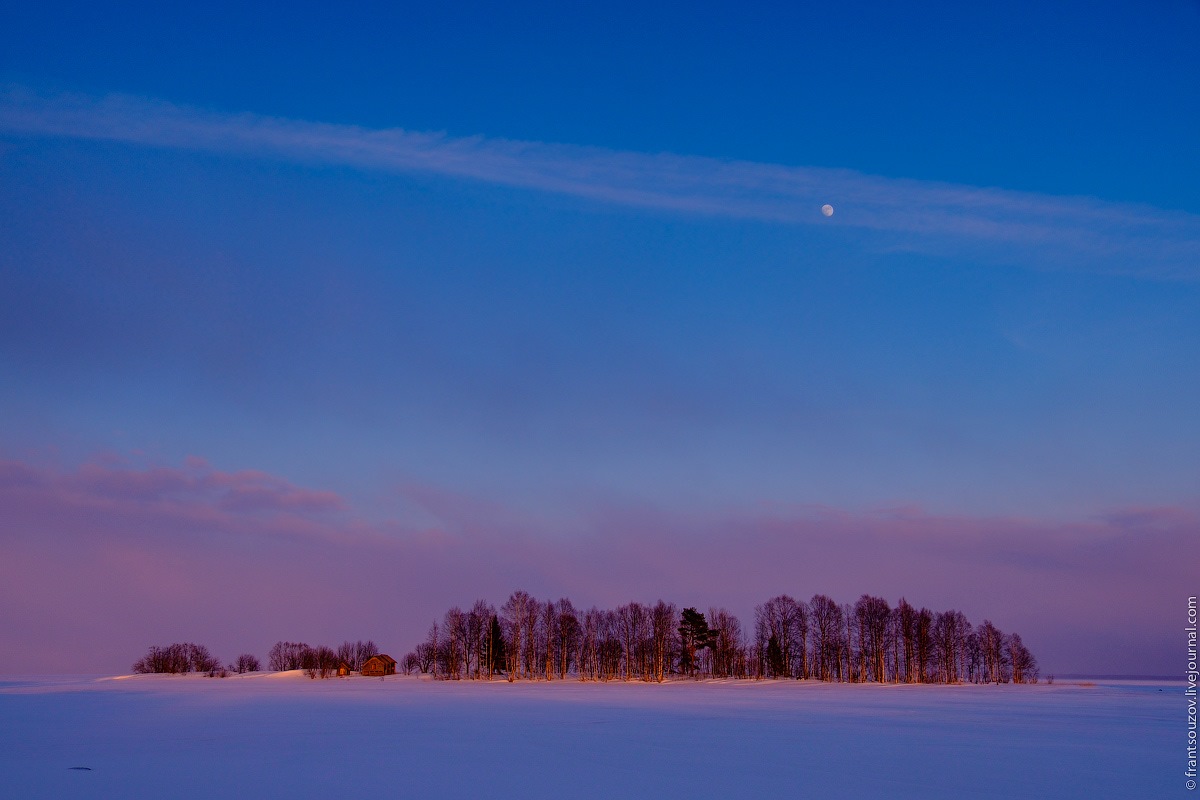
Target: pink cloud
{"points": [[197, 463], [170, 498], [101, 560]]}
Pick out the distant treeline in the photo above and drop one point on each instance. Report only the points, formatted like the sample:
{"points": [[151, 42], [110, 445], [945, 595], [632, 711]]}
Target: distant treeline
{"points": [[529, 639], [320, 661], [179, 658]]}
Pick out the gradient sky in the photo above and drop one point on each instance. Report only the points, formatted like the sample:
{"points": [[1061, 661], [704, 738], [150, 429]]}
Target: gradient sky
{"points": [[299, 308]]}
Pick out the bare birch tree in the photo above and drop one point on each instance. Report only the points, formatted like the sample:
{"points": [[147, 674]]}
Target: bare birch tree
{"points": [[1024, 666], [873, 615], [513, 616], [567, 636], [664, 620], [729, 656], [826, 617]]}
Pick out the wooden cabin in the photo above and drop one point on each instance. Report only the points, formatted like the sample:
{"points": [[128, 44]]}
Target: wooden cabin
{"points": [[343, 669], [379, 665]]}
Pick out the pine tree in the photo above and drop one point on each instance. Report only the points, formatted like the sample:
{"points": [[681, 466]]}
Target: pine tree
{"points": [[694, 636], [496, 654], [775, 660]]}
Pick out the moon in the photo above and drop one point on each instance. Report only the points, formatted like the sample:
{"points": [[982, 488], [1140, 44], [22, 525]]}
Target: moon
{"points": [[827, 210]]}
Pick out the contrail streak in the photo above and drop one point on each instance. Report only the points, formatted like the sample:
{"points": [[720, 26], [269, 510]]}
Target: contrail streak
{"points": [[994, 225]]}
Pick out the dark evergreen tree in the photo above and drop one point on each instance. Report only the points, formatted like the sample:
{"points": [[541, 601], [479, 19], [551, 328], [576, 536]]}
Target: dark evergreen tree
{"points": [[775, 660], [496, 654], [694, 636]]}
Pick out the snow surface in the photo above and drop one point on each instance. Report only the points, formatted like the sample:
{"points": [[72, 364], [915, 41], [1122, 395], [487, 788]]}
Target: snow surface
{"points": [[284, 735]]}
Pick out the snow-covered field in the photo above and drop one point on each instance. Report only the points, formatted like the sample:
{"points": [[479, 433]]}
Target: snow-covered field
{"points": [[283, 735]]}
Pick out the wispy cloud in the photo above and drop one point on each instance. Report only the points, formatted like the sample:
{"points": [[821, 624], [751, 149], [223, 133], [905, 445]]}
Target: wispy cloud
{"points": [[996, 225]]}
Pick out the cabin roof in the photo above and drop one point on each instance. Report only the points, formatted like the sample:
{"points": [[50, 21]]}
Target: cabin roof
{"points": [[381, 656]]}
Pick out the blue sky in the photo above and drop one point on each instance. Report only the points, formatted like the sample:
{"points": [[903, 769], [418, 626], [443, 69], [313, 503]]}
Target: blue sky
{"points": [[1095, 99], [591, 270]]}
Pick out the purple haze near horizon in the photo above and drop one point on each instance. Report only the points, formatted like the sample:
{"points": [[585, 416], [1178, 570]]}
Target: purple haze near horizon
{"points": [[110, 555], [534, 300]]}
